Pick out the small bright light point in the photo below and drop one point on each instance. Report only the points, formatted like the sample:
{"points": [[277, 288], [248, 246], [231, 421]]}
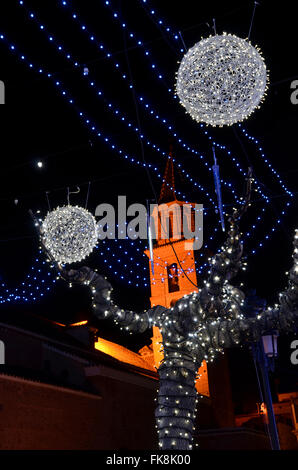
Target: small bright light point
{"points": [[39, 164]]}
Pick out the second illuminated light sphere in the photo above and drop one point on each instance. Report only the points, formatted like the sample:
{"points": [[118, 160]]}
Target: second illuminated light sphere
{"points": [[69, 233], [221, 80]]}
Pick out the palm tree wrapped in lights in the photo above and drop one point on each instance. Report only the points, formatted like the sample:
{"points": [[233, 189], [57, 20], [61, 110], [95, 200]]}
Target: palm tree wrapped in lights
{"points": [[199, 326]]}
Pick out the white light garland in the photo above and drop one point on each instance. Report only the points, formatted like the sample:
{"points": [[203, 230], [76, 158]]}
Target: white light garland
{"points": [[69, 233], [221, 80], [219, 326]]}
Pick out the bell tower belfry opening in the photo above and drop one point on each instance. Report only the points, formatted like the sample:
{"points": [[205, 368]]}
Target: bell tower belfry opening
{"points": [[174, 273]]}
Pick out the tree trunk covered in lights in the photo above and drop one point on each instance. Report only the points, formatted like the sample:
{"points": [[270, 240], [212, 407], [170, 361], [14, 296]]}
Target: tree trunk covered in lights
{"points": [[177, 397], [197, 327]]}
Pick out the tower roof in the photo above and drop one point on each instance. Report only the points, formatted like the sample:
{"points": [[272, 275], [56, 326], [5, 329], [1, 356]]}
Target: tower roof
{"points": [[167, 193]]}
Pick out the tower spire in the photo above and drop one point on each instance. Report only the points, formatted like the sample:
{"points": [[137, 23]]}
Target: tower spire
{"points": [[167, 193]]}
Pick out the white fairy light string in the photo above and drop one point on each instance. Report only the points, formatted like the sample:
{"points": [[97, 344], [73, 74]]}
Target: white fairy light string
{"points": [[69, 233], [199, 326], [221, 80]]}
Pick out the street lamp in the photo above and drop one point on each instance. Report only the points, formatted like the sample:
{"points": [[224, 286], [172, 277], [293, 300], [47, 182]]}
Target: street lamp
{"points": [[270, 349], [270, 344], [264, 352]]}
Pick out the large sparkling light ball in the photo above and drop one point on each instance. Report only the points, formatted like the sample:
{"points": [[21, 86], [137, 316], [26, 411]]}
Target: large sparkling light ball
{"points": [[69, 233], [221, 80]]}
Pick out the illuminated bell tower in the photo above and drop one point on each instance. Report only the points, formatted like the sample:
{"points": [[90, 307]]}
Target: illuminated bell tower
{"points": [[174, 264]]}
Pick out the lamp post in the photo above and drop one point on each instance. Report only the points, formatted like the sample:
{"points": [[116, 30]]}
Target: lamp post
{"points": [[270, 348], [264, 352]]}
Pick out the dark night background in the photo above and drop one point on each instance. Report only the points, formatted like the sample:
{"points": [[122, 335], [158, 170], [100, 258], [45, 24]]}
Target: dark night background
{"points": [[38, 124]]}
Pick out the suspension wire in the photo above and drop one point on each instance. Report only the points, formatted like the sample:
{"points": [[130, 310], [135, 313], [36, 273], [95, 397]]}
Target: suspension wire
{"points": [[252, 19], [214, 26], [88, 192], [48, 201], [182, 40], [72, 192], [194, 26]]}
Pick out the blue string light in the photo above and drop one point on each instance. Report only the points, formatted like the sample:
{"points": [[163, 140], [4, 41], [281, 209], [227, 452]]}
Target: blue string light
{"points": [[88, 123], [223, 147], [184, 145], [117, 16], [263, 156], [111, 107], [108, 54], [139, 43], [36, 284], [171, 128], [159, 21], [83, 28], [119, 114], [64, 93]]}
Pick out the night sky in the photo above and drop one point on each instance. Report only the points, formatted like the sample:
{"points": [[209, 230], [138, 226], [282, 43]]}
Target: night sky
{"points": [[38, 124]]}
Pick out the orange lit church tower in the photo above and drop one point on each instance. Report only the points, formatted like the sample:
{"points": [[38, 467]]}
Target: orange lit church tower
{"points": [[173, 259]]}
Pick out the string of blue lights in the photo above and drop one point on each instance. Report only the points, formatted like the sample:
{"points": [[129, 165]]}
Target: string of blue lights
{"points": [[132, 34], [117, 16], [148, 54], [160, 22], [36, 284], [116, 111], [120, 115], [140, 43], [60, 47], [71, 102], [13, 294]]}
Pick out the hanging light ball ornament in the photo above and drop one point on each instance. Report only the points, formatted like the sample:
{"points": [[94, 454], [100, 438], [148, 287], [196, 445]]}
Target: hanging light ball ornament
{"points": [[69, 233], [221, 80]]}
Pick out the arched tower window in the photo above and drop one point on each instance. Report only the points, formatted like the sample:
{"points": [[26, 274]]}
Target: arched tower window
{"points": [[173, 278]]}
